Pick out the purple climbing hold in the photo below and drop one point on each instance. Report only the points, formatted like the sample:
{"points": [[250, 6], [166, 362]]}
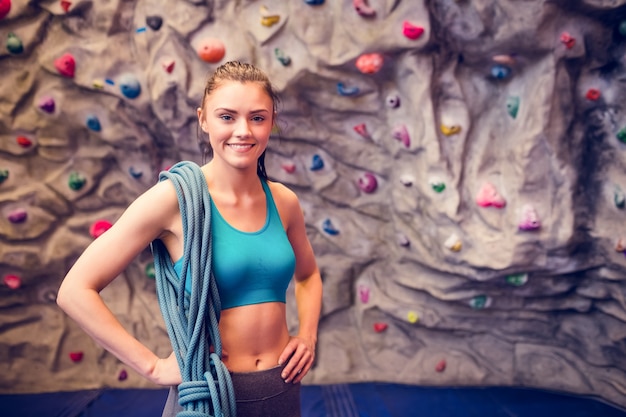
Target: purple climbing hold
{"points": [[368, 183], [18, 216], [530, 218], [47, 104], [400, 133], [364, 293]]}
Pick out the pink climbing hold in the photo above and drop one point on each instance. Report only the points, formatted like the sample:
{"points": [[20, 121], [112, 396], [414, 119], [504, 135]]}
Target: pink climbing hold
{"points": [[370, 63], [441, 366], [361, 129], [5, 8], [65, 65], [530, 218], [489, 196], [363, 9], [568, 40], [18, 216], [400, 133], [123, 375], [211, 50], [289, 167], [76, 356], [12, 281], [99, 227], [412, 31], [47, 104], [364, 294], [368, 183], [380, 327]]}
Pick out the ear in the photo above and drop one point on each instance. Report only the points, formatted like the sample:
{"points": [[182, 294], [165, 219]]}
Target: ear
{"points": [[202, 120]]}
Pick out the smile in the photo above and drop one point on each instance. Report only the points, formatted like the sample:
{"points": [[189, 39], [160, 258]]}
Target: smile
{"points": [[240, 146]]}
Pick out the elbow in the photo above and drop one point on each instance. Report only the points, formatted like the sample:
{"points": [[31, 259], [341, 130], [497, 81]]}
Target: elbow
{"points": [[62, 298]]}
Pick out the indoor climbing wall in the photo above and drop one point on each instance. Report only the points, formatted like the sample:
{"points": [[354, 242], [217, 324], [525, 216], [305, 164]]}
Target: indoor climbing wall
{"points": [[460, 163]]}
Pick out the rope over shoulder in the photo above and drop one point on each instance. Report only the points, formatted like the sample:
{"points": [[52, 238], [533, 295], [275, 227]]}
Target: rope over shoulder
{"points": [[192, 319]]}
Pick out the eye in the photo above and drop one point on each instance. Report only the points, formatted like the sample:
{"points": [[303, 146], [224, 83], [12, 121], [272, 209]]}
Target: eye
{"points": [[226, 117], [258, 119]]}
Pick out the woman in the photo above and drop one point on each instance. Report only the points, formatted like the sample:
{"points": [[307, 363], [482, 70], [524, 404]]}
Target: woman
{"points": [[238, 112]]}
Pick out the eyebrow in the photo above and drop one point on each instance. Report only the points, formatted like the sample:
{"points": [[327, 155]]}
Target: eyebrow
{"points": [[220, 109]]}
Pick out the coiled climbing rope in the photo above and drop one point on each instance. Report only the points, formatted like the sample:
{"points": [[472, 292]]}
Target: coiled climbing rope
{"points": [[192, 319]]}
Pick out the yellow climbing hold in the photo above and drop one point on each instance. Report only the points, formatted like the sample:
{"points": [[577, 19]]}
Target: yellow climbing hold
{"points": [[450, 130], [99, 84], [268, 20], [412, 317]]}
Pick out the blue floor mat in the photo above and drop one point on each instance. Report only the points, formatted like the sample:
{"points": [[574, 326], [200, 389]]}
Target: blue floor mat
{"points": [[338, 400]]}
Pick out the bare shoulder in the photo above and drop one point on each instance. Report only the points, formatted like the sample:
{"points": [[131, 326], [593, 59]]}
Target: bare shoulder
{"points": [[282, 194]]}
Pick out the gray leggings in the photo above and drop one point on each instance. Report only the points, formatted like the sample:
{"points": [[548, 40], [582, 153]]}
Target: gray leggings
{"points": [[258, 394]]}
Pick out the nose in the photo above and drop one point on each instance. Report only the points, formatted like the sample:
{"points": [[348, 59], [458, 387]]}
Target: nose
{"points": [[242, 129]]}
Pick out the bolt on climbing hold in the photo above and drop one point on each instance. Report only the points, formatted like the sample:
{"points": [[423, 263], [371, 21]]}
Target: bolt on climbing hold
{"points": [[361, 129], [76, 356], [154, 22], [453, 243], [620, 246], [343, 90], [135, 173], [268, 20], [488, 196], [282, 57], [5, 8], [288, 167], [329, 228], [567, 40], [150, 271], [401, 134], [211, 50], [14, 44], [403, 240], [412, 31], [593, 94], [393, 101], [479, 302], [47, 104], [370, 63], [530, 218], [517, 280], [65, 5], [364, 294], [363, 9], [412, 317], [504, 59], [450, 130], [99, 84], [4, 175], [500, 72], [438, 186], [17, 216], [141, 29], [407, 180], [368, 183], [93, 123], [441, 366], [12, 281], [123, 375], [99, 227], [314, 2], [168, 65], [512, 106], [317, 163], [618, 197], [24, 142], [621, 135], [380, 327], [66, 65], [129, 86], [76, 181]]}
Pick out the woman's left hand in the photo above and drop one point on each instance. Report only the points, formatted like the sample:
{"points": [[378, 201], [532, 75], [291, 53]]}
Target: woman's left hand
{"points": [[300, 352]]}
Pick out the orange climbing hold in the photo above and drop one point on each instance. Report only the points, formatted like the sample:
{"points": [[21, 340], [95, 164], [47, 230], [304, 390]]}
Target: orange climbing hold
{"points": [[370, 63], [211, 50]]}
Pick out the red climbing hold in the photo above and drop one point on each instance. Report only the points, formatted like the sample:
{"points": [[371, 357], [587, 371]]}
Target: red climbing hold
{"points": [[99, 227], [65, 5], [593, 94], [23, 141], [66, 65], [5, 8], [289, 167], [568, 40], [12, 281], [412, 31], [168, 66], [441, 366], [76, 356], [380, 327], [361, 129]]}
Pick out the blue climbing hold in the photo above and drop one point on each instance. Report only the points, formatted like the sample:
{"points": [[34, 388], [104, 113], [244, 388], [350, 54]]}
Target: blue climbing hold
{"points": [[317, 163], [135, 173], [93, 123], [500, 71], [314, 2], [347, 91], [129, 86], [329, 228]]}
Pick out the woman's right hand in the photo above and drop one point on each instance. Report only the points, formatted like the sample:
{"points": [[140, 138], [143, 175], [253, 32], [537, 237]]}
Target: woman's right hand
{"points": [[166, 371]]}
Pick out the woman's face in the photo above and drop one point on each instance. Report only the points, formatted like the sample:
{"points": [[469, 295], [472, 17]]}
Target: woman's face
{"points": [[238, 118]]}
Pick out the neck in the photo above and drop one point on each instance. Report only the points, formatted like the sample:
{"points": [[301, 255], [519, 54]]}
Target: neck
{"points": [[231, 180]]}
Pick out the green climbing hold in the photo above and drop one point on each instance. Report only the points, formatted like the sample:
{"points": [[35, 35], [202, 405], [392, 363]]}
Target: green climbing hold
{"points": [[14, 44], [618, 197], [512, 106], [76, 181], [4, 175], [622, 28], [438, 186], [150, 271], [621, 135], [517, 280], [479, 302]]}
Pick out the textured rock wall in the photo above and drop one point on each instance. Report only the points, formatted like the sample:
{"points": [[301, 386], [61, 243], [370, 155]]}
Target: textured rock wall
{"points": [[460, 164]]}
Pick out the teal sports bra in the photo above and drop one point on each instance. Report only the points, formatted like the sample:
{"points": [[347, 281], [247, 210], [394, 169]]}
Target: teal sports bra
{"points": [[249, 267]]}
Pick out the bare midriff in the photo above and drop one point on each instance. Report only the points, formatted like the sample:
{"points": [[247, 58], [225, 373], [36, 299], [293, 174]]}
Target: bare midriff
{"points": [[253, 336]]}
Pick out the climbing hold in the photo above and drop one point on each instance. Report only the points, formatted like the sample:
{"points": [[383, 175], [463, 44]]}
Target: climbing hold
{"points": [[441, 366], [328, 227], [370, 63], [621, 135], [407, 180], [489, 196], [135, 173], [380, 327], [18, 216], [567, 40], [412, 317], [23, 141], [14, 44], [154, 22], [267, 19], [93, 123], [618, 197], [620, 246], [517, 280], [363, 9], [76, 356], [99, 84], [361, 129], [109, 81], [500, 71], [393, 101], [168, 65], [314, 2], [65, 65], [593, 94], [123, 375], [453, 243], [140, 29], [438, 186], [289, 167], [411, 31], [129, 85], [368, 183], [512, 106], [4, 175], [622, 28], [364, 294], [282, 58], [479, 302], [347, 91], [317, 163], [99, 227], [76, 181], [65, 5], [530, 218], [450, 130], [150, 271], [403, 240], [211, 50], [12, 281], [46, 104], [504, 59], [401, 134], [5, 8]]}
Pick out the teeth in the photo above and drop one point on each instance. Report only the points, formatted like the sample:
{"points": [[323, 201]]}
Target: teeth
{"points": [[239, 146]]}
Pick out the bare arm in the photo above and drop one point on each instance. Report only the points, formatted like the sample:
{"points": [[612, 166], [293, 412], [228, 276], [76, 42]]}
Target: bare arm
{"points": [[146, 219]]}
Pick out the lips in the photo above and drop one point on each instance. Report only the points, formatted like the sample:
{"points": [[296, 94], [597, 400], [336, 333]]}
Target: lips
{"points": [[240, 147]]}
